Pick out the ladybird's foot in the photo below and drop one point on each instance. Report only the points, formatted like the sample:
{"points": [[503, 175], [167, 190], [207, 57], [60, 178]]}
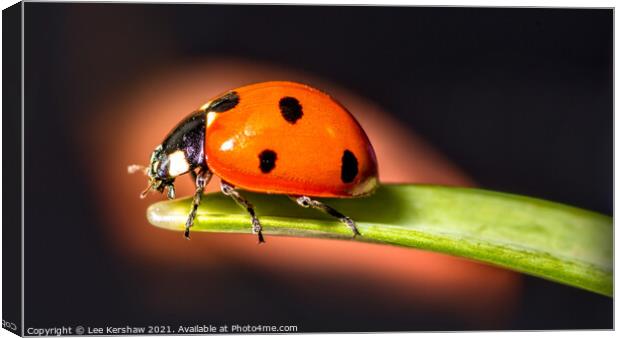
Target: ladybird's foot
{"points": [[351, 224], [188, 225], [257, 228]]}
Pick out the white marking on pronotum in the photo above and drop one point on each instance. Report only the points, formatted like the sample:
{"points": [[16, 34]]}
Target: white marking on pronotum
{"points": [[178, 163], [210, 118]]}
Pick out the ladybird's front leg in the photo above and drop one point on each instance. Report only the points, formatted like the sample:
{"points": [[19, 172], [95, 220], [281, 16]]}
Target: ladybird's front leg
{"points": [[201, 179], [306, 202], [171, 192], [229, 190]]}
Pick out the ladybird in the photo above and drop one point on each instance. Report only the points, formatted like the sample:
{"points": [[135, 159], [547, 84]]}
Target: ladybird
{"points": [[272, 137]]}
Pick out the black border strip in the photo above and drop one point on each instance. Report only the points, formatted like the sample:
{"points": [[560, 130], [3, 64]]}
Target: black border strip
{"points": [[12, 168]]}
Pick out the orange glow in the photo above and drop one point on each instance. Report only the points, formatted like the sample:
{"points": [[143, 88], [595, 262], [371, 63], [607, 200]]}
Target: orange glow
{"points": [[131, 125]]}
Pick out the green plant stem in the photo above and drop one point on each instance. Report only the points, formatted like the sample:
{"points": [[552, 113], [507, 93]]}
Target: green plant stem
{"points": [[545, 239]]}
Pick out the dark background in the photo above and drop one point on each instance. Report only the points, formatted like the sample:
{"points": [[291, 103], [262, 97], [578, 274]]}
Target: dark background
{"points": [[521, 99]]}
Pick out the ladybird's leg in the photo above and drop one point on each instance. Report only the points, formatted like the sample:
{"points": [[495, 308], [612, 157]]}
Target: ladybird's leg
{"points": [[171, 192], [202, 179], [306, 202], [229, 190]]}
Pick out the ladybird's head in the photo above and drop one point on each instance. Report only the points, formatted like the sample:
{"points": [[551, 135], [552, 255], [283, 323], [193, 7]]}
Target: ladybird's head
{"points": [[159, 172], [180, 152]]}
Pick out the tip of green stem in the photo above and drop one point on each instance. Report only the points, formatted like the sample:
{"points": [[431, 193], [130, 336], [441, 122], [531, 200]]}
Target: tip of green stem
{"points": [[545, 239]]}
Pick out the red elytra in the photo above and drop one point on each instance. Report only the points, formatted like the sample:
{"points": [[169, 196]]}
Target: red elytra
{"points": [[289, 138]]}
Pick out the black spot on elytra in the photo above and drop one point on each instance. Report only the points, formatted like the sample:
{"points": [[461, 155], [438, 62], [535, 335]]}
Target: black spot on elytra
{"points": [[267, 161], [290, 109], [348, 171], [224, 103]]}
